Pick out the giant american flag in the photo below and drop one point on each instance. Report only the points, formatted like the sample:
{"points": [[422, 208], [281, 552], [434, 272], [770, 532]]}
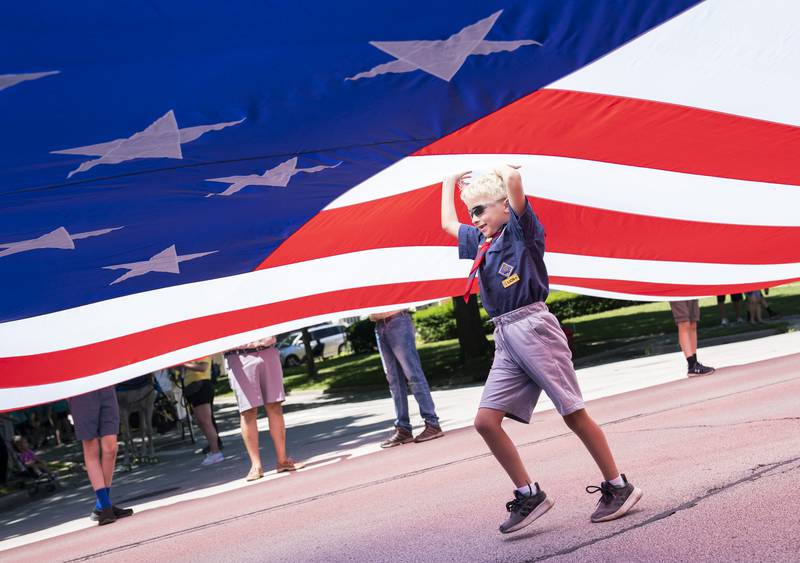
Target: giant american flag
{"points": [[181, 177]]}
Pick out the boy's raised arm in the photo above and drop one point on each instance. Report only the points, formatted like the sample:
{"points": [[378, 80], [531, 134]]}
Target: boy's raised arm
{"points": [[450, 223], [513, 181]]}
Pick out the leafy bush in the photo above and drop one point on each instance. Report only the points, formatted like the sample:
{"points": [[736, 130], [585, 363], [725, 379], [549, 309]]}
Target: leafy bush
{"points": [[436, 323], [361, 335], [572, 305]]}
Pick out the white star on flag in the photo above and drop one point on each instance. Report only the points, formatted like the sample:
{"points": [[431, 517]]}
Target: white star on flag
{"points": [[161, 139], [277, 177], [167, 261], [9, 80], [442, 58], [57, 238]]}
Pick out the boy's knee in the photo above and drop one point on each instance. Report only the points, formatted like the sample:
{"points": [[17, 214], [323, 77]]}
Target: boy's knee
{"points": [[109, 447], [485, 424]]}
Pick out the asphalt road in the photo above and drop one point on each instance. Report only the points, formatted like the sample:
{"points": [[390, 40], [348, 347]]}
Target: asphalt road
{"points": [[718, 459]]}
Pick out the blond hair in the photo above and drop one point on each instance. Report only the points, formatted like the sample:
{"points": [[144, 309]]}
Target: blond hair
{"points": [[489, 185]]}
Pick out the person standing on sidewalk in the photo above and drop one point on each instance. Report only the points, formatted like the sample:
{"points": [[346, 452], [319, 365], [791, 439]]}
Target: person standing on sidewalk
{"points": [[507, 243], [95, 416], [686, 315], [199, 391], [256, 377], [395, 334]]}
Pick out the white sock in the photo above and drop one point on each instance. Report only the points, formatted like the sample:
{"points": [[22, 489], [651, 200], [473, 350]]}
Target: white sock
{"points": [[619, 482], [528, 490]]}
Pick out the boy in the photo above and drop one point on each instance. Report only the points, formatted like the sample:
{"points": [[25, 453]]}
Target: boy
{"points": [[507, 242], [96, 418]]}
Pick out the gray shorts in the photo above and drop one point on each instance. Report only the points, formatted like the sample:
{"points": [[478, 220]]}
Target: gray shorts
{"points": [[95, 414], [531, 355], [256, 378], [685, 311]]}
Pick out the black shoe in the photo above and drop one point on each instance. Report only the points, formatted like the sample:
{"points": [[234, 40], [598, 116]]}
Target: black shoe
{"points": [[117, 511], [103, 516], [699, 369]]}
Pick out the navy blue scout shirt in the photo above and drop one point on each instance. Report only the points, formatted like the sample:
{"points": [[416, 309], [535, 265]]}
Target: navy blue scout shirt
{"points": [[513, 273]]}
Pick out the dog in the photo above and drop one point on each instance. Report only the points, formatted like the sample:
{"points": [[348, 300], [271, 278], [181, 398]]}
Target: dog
{"points": [[138, 395]]}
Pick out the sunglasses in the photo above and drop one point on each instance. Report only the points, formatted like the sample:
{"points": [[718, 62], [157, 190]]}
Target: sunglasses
{"points": [[479, 210]]}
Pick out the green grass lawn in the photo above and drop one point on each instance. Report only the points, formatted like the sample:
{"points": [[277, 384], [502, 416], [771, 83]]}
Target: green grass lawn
{"points": [[595, 333]]}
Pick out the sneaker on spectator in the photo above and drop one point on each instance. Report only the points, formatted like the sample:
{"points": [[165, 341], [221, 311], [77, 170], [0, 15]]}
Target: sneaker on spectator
{"points": [[400, 436], [699, 369], [212, 458], [431, 432], [724, 322]]}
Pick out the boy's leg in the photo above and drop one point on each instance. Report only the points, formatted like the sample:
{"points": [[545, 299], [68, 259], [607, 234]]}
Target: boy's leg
{"points": [[108, 447], [403, 346], [595, 441], [94, 467], [488, 423], [687, 343]]}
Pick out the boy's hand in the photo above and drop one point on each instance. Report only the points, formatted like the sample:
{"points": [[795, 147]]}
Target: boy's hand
{"points": [[459, 178], [506, 170]]}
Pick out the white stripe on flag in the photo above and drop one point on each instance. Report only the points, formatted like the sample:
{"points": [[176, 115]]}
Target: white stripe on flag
{"points": [[617, 187], [737, 57]]}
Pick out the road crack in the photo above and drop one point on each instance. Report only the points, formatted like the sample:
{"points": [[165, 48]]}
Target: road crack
{"points": [[757, 472]]}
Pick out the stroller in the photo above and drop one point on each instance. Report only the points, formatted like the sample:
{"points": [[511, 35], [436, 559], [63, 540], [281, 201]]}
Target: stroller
{"points": [[33, 472]]}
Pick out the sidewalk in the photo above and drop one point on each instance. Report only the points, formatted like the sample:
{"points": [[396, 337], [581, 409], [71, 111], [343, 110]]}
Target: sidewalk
{"points": [[324, 430]]}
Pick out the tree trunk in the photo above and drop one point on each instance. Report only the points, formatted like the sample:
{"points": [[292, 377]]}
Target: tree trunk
{"points": [[310, 365], [469, 327]]}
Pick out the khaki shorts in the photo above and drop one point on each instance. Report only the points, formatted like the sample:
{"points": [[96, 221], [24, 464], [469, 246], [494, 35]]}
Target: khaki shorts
{"points": [[531, 355], [257, 378], [685, 311]]}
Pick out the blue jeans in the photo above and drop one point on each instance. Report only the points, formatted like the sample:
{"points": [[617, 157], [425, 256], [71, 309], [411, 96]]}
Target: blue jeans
{"points": [[401, 364]]}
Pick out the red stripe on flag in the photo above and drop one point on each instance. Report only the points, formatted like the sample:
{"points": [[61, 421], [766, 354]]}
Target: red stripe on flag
{"points": [[73, 363], [633, 132], [412, 219]]}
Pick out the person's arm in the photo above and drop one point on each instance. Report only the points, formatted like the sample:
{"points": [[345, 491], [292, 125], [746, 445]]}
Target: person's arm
{"points": [[450, 223], [196, 366], [380, 316], [513, 181]]}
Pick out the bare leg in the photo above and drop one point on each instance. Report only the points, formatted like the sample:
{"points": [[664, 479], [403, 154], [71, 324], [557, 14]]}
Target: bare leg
{"points": [[277, 430], [595, 441], [108, 444], [203, 415], [91, 459], [488, 424], [250, 436], [687, 337]]}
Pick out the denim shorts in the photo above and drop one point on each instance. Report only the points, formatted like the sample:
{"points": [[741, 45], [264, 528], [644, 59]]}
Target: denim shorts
{"points": [[531, 355]]}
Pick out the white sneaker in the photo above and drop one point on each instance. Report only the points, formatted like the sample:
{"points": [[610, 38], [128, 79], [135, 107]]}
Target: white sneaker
{"points": [[724, 322], [212, 458]]}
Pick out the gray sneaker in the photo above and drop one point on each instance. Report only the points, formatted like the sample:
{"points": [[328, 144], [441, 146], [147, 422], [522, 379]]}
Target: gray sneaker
{"points": [[524, 509], [614, 502]]}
